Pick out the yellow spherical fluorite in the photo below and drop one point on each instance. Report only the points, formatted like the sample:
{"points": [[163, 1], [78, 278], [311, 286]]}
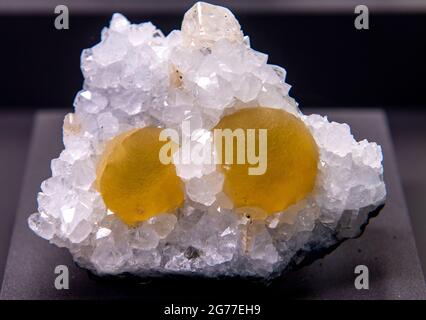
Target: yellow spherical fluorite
{"points": [[292, 158], [134, 184]]}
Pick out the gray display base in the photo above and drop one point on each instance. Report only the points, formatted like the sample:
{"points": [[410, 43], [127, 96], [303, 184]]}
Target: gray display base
{"points": [[387, 247]]}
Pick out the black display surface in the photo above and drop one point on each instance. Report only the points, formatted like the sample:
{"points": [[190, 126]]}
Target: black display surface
{"points": [[387, 247]]}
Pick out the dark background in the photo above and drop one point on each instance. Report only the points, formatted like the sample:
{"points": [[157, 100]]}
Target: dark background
{"points": [[329, 64]]}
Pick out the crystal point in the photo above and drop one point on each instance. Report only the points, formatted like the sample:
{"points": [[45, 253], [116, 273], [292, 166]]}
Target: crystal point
{"points": [[205, 24]]}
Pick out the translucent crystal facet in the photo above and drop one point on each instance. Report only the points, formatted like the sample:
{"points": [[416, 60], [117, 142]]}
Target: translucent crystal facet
{"points": [[204, 24]]}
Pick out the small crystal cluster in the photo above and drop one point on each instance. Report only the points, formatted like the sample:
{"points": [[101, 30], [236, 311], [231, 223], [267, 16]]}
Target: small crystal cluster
{"points": [[137, 77]]}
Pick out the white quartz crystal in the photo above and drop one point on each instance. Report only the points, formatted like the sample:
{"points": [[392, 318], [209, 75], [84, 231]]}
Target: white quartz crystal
{"points": [[204, 190], [205, 24], [134, 77]]}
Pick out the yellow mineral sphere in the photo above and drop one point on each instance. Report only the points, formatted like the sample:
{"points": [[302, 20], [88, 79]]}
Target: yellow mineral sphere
{"points": [[134, 184], [292, 158]]}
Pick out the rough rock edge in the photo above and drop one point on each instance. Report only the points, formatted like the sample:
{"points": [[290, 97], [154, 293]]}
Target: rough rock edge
{"points": [[301, 259]]}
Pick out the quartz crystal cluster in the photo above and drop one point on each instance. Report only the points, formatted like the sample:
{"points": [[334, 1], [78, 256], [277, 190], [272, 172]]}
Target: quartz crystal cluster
{"points": [[138, 77]]}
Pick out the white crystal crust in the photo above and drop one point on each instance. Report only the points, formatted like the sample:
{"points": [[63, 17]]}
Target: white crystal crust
{"points": [[136, 77]]}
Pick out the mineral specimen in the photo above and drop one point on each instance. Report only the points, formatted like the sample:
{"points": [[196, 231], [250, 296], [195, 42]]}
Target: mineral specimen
{"points": [[132, 180], [119, 209], [291, 157]]}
